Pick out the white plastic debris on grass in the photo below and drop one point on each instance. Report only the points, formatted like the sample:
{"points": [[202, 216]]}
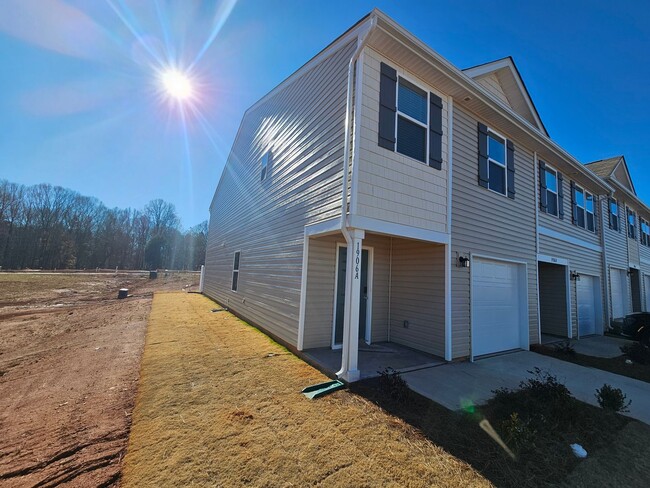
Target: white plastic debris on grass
{"points": [[579, 451], [628, 361]]}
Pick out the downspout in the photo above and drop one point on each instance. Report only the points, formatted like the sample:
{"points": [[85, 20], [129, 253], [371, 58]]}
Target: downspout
{"points": [[604, 258], [348, 166]]}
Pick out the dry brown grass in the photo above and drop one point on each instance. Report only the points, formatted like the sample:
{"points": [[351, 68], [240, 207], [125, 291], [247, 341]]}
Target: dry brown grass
{"points": [[219, 404]]}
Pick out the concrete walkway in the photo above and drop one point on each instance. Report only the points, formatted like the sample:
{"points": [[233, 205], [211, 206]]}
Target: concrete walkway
{"points": [[601, 346], [457, 384]]}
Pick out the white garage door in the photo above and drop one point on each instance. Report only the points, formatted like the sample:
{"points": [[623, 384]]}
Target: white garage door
{"points": [[497, 306], [586, 305], [618, 278], [646, 279]]}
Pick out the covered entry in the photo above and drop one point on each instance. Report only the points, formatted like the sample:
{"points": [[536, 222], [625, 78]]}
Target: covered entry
{"points": [[553, 279], [499, 306], [365, 301]]}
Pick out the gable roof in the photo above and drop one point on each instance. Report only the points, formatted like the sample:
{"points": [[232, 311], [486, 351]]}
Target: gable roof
{"points": [[513, 87], [606, 168]]}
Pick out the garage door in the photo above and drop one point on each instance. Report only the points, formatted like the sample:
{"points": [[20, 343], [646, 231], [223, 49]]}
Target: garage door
{"points": [[618, 291], [497, 307], [586, 292]]}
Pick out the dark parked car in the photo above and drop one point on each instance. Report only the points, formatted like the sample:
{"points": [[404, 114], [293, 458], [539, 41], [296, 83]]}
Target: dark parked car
{"points": [[635, 326]]}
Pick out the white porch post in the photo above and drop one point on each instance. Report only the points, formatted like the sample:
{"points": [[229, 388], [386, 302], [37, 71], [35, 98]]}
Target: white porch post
{"points": [[350, 351], [202, 279]]}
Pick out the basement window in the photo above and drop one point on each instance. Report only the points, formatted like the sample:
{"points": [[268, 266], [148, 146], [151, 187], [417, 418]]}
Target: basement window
{"points": [[235, 271]]}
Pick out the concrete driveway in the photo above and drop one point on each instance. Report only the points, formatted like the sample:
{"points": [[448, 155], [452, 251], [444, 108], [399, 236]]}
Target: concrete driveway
{"points": [[456, 384]]}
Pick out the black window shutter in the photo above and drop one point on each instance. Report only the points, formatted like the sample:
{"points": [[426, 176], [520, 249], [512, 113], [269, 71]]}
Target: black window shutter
{"points": [[574, 207], [482, 155], [435, 131], [560, 195], [387, 106], [510, 163], [609, 211], [542, 186]]}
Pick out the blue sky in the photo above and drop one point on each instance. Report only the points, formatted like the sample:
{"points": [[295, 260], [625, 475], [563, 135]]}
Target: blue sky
{"points": [[80, 104]]}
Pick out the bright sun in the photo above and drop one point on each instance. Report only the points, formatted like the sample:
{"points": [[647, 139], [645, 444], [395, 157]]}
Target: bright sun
{"points": [[177, 84]]}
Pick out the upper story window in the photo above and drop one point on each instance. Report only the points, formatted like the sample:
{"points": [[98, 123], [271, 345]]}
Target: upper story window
{"points": [[613, 215], [583, 208], [266, 162], [631, 224], [589, 210], [551, 194], [551, 191], [496, 163], [235, 271], [580, 207], [645, 233], [412, 116]]}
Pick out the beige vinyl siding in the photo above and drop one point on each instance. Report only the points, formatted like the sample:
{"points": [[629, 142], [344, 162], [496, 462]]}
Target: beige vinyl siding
{"points": [[489, 224], [418, 296], [303, 125], [321, 282], [491, 84], [553, 299], [393, 187], [616, 249], [583, 260]]}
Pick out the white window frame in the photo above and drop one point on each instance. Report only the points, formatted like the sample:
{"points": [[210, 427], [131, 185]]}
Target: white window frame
{"points": [[617, 214], [556, 192], [644, 235], [630, 213], [399, 114], [232, 280], [504, 165], [584, 207]]}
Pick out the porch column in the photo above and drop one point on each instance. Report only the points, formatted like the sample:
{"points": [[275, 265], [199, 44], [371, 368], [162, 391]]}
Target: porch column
{"points": [[350, 351]]}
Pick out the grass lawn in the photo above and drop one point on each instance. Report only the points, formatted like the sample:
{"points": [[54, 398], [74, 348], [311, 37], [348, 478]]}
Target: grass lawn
{"points": [[615, 365], [219, 405]]}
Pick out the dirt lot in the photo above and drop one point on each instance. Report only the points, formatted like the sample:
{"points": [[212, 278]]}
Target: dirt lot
{"points": [[219, 404], [69, 365]]}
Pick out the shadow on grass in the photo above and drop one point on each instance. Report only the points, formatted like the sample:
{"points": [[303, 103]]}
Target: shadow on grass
{"points": [[540, 433]]}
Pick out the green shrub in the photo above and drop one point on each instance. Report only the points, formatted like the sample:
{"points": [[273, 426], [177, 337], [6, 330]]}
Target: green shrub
{"points": [[546, 387], [613, 399], [565, 347], [518, 434], [393, 385], [637, 352]]}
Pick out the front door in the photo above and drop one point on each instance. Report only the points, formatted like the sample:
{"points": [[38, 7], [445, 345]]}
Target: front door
{"points": [[340, 295]]}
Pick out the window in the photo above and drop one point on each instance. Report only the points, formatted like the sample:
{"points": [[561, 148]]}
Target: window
{"points": [[266, 159], [412, 115], [645, 233], [496, 163], [613, 214], [580, 207], [589, 210], [551, 191], [235, 271], [631, 224]]}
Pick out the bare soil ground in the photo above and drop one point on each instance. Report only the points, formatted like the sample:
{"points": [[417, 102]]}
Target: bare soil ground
{"points": [[219, 404], [69, 364]]}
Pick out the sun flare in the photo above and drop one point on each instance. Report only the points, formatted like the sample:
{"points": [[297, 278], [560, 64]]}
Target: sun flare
{"points": [[177, 84]]}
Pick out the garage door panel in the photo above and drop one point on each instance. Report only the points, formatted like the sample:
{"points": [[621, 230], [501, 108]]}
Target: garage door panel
{"points": [[496, 306], [586, 305], [618, 291]]}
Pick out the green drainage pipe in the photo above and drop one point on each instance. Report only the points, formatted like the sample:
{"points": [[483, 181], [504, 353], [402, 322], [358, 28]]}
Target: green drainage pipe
{"points": [[321, 389]]}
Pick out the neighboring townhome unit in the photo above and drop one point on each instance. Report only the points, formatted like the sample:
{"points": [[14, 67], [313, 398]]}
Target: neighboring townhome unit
{"points": [[382, 195], [627, 240]]}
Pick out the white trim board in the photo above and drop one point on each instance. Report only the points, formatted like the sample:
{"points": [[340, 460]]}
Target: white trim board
{"points": [[553, 260], [398, 230], [324, 227], [545, 231]]}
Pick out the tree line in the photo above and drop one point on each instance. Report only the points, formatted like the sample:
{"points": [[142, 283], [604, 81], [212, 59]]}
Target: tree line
{"points": [[50, 227]]}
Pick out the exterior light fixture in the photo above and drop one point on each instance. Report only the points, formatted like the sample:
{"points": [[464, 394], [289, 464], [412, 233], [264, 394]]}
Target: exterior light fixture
{"points": [[575, 275]]}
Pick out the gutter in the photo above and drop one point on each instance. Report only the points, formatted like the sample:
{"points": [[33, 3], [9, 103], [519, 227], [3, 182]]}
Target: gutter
{"points": [[348, 167]]}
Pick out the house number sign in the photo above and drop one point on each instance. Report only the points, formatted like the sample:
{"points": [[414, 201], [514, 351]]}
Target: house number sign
{"points": [[357, 261]]}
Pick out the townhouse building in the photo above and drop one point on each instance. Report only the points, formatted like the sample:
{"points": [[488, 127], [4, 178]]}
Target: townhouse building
{"points": [[381, 194]]}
